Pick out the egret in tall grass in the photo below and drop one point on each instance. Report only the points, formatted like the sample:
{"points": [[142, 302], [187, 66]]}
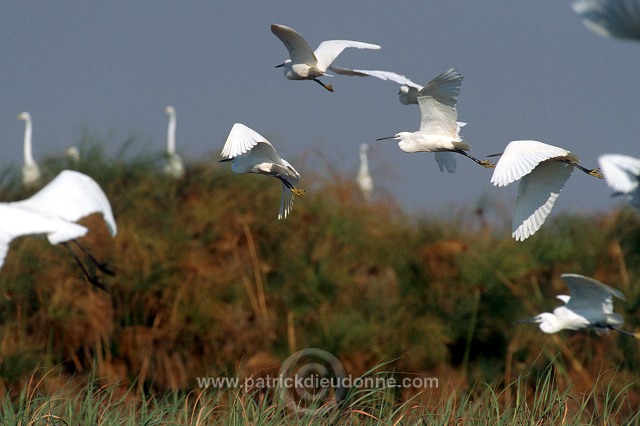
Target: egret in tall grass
{"points": [[306, 64], [173, 167], [408, 93], [542, 170], [250, 152], [610, 18], [589, 306], [439, 128], [30, 169], [53, 211], [622, 174], [365, 182]]}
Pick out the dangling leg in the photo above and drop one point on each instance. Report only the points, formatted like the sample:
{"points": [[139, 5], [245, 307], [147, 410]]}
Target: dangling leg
{"points": [[484, 163], [625, 332], [326, 86], [296, 191], [92, 278], [593, 172], [102, 266]]}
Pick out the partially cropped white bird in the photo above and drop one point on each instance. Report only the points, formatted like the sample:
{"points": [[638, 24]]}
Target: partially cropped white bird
{"points": [[622, 174], [53, 211], [173, 167], [589, 306], [306, 64], [408, 93], [542, 170], [250, 152], [30, 170], [610, 18], [439, 128], [365, 182]]}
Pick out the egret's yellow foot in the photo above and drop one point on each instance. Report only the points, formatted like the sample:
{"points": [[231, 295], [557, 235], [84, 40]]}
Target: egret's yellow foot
{"points": [[596, 173], [329, 87], [299, 192], [487, 164]]}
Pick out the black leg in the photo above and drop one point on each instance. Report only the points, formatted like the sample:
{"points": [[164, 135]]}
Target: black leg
{"points": [[102, 266], [592, 172], [484, 163], [91, 278], [326, 86]]}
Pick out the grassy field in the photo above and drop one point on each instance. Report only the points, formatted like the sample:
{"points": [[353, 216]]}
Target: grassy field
{"points": [[210, 284]]}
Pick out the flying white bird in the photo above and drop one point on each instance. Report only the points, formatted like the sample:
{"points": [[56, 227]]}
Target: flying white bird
{"points": [[173, 166], [408, 93], [542, 170], [590, 305], [622, 174], [610, 18], [250, 152], [306, 64], [30, 170], [53, 211], [438, 126], [365, 182]]}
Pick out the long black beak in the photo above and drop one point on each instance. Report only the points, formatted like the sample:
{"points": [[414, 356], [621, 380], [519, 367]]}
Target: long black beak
{"points": [[226, 159], [281, 65], [527, 320], [386, 138], [496, 155]]}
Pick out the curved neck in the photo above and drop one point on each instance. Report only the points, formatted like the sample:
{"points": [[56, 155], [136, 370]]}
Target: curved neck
{"points": [[171, 133], [28, 156], [364, 163]]}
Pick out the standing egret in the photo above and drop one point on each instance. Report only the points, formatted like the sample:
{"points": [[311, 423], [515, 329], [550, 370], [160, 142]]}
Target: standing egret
{"points": [[438, 126], [365, 182], [30, 170], [590, 305], [610, 18], [173, 166], [542, 170], [250, 152], [73, 154], [408, 93], [622, 173], [53, 211], [306, 64]]}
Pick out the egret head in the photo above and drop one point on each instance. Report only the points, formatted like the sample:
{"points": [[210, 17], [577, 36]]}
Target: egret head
{"points": [[548, 322], [169, 110], [396, 137], [364, 147], [288, 61], [24, 116], [404, 89]]}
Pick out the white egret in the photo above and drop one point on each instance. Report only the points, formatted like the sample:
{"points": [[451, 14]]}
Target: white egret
{"points": [[53, 211], [30, 170], [622, 174], [439, 130], [610, 18], [306, 64], [173, 166], [589, 306], [365, 182], [73, 154], [408, 93], [542, 170], [250, 152]]}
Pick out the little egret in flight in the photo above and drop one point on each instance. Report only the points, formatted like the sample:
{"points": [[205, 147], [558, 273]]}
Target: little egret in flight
{"points": [[542, 170], [610, 18], [30, 170], [622, 174], [306, 64], [365, 182], [250, 152], [589, 306], [438, 126], [53, 211], [174, 166], [409, 91]]}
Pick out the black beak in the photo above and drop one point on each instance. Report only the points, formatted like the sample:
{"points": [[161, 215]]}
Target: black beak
{"points": [[386, 138], [226, 159], [281, 65]]}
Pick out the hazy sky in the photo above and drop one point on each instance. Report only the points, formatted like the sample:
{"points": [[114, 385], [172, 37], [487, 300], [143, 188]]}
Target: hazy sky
{"points": [[532, 71]]}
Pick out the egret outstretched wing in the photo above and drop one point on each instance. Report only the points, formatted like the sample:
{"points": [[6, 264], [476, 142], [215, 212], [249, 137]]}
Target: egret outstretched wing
{"points": [[382, 75], [329, 50], [299, 49], [621, 172], [610, 18], [437, 101], [241, 140]]}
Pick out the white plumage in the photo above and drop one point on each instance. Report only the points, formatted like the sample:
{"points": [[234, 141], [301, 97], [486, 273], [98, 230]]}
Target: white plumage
{"points": [[174, 166], [622, 174], [408, 93], [30, 169], [364, 179], [250, 152]]}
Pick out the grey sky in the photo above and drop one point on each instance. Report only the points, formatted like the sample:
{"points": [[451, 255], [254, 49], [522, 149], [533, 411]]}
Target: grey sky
{"points": [[532, 71]]}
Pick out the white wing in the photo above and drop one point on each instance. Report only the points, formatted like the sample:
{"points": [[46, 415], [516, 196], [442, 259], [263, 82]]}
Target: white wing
{"points": [[71, 196], [521, 157], [588, 294], [620, 171], [382, 75], [329, 50], [446, 160], [437, 101], [286, 202], [537, 193], [241, 139], [299, 50], [610, 18]]}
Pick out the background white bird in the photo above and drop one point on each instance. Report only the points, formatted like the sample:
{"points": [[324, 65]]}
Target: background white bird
{"points": [[439, 128], [622, 174], [30, 170], [590, 305], [306, 64], [610, 18], [173, 167], [53, 211], [364, 179], [408, 93], [542, 170], [250, 152]]}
